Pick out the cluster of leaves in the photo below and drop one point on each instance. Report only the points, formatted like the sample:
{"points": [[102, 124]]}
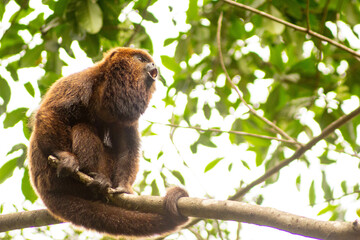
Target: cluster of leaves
{"points": [[302, 73]]}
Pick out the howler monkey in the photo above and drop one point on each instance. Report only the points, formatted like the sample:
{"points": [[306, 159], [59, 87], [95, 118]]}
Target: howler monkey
{"points": [[89, 120]]}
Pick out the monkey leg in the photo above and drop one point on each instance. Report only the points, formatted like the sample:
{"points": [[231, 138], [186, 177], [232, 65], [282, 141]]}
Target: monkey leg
{"points": [[89, 150], [126, 159]]}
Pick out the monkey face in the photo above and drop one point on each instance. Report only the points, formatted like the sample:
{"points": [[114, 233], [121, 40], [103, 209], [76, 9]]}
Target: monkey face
{"points": [[129, 81]]}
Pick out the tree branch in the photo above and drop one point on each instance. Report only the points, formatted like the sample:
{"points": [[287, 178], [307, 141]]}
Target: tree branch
{"points": [[207, 208], [302, 149], [251, 110], [222, 131], [329, 129], [143, 15], [201, 208], [35, 218], [307, 16], [296, 27]]}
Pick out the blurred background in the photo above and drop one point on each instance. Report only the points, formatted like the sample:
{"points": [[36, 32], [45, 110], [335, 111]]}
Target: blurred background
{"points": [[193, 131]]}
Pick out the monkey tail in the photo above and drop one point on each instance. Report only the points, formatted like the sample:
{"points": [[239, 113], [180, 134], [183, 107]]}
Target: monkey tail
{"points": [[113, 220]]}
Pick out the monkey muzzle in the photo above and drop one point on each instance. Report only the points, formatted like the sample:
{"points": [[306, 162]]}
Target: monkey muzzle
{"points": [[152, 71]]}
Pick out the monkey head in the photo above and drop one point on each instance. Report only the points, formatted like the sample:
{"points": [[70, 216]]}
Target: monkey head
{"points": [[127, 83]]}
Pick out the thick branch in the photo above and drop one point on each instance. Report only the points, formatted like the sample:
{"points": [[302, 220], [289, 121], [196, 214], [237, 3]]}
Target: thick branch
{"points": [[296, 27], [201, 208], [36, 218], [207, 208]]}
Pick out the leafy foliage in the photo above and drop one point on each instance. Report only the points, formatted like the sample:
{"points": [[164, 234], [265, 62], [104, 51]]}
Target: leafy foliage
{"points": [[296, 81]]}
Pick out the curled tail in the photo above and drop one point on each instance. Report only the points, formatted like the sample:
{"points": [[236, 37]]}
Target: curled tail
{"points": [[113, 220]]}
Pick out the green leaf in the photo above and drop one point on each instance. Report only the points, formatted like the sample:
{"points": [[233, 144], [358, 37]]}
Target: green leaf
{"points": [[29, 88], [205, 140], [276, 56], [26, 129], [32, 57], [12, 68], [26, 187], [193, 147], [312, 196], [356, 188], [7, 169], [154, 189], [259, 159], [5, 93], [237, 138], [14, 117], [60, 8], [53, 64], [169, 41], [160, 154], [150, 17], [17, 147], [11, 42], [207, 111], [2, 9], [147, 131], [325, 160], [44, 83], [245, 164], [344, 187], [147, 159], [89, 16], [91, 45], [271, 26], [328, 193], [179, 176], [305, 67], [192, 13], [358, 212], [191, 108], [212, 164], [298, 182], [348, 130], [230, 167], [329, 208], [170, 63]]}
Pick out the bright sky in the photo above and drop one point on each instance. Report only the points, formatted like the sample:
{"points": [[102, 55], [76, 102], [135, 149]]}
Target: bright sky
{"points": [[214, 183]]}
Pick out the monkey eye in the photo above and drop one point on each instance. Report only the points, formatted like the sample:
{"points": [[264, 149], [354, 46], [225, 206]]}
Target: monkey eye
{"points": [[141, 58]]}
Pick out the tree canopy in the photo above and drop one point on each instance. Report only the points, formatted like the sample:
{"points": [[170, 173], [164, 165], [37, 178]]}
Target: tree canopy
{"points": [[258, 101]]}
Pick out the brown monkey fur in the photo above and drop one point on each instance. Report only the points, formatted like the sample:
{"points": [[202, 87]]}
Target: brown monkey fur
{"points": [[89, 121]]}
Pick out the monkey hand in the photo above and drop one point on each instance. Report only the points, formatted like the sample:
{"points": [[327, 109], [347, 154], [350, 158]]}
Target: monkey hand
{"points": [[67, 165], [100, 183], [170, 203]]}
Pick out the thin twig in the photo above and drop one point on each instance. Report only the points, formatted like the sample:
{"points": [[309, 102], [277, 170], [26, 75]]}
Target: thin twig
{"points": [[219, 229], [251, 110], [308, 15], [329, 129], [296, 27], [238, 229], [143, 15], [223, 131]]}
